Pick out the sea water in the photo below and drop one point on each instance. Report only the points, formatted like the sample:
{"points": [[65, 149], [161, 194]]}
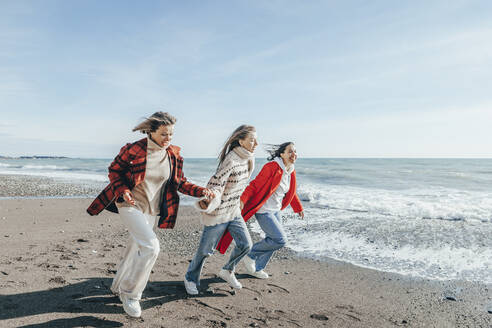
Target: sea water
{"points": [[430, 218]]}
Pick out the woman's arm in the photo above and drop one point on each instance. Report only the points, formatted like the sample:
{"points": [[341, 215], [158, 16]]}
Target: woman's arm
{"points": [[216, 184], [192, 189], [189, 188], [297, 205]]}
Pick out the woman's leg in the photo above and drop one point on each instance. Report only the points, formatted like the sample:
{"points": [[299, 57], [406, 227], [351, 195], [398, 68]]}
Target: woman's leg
{"points": [[275, 238], [125, 264], [240, 234], [134, 271], [208, 241]]}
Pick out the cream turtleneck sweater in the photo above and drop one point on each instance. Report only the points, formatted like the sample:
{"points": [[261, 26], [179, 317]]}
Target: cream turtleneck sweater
{"points": [[148, 193]]}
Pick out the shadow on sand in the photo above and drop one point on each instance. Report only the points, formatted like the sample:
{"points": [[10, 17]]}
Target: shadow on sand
{"points": [[91, 296]]}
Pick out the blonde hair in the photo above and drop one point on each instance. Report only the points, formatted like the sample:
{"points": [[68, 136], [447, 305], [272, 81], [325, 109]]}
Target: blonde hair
{"points": [[154, 121], [239, 134]]}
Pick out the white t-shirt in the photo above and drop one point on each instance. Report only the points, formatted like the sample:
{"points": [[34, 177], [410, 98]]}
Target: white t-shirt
{"points": [[274, 203]]}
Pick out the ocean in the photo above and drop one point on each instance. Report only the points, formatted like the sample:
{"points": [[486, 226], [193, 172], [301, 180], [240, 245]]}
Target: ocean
{"points": [[429, 218]]}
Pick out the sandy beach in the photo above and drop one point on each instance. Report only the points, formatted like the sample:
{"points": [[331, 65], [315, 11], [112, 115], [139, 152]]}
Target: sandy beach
{"points": [[57, 263]]}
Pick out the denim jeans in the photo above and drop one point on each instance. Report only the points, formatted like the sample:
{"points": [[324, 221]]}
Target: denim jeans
{"points": [[209, 240], [275, 238]]}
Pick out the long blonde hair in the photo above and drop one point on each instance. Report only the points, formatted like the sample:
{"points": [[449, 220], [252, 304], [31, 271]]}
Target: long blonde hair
{"points": [[233, 141], [154, 121]]}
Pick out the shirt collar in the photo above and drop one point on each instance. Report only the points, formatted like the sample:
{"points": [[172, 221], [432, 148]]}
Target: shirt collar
{"points": [[280, 162]]}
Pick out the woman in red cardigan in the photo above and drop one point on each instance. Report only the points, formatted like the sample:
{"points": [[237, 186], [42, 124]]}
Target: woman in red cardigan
{"points": [[270, 192], [145, 179]]}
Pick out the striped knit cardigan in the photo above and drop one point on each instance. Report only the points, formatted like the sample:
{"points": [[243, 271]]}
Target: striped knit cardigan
{"points": [[228, 184]]}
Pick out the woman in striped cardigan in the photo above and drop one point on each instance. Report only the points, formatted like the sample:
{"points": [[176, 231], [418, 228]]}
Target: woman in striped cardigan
{"points": [[223, 212]]}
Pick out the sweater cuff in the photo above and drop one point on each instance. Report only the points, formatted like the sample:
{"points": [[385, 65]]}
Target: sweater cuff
{"points": [[197, 206], [214, 203]]}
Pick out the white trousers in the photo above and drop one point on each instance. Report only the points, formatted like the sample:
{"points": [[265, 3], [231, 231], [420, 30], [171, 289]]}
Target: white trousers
{"points": [[141, 253]]}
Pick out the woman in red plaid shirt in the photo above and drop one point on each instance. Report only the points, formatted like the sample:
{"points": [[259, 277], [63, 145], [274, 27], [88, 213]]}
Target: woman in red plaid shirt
{"points": [[145, 179]]}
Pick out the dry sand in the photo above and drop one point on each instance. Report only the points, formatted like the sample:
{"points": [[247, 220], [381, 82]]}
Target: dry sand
{"points": [[56, 266]]}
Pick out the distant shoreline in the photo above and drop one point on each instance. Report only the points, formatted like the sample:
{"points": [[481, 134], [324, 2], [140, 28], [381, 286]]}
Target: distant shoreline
{"points": [[34, 157], [264, 158]]}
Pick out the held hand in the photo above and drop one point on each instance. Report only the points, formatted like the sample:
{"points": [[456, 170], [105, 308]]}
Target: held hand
{"points": [[301, 214], [203, 203], [128, 197], [208, 193], [241, 205]]}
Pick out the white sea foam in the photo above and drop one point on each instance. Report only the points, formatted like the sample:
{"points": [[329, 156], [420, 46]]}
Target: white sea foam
{"points": [[45, 167], [437, 262], [429, 203], [436, 233]]}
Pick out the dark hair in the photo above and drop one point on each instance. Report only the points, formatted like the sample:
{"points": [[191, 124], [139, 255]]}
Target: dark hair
{"points": [[233, 141], [154, 121], [276, 150]]}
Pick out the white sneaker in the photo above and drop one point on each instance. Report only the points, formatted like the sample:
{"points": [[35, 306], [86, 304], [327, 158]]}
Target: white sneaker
{"points": [[190, 287], [230, 278], [131, 307], [249, 264], [260, 274]]}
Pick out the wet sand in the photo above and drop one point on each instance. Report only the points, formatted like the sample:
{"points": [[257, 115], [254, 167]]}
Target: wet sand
{"points": [[57, 263]]}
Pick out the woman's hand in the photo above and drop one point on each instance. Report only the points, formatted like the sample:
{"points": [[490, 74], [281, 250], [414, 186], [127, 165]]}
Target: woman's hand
{"points": [[208, 193], [128, 197], [203, 203], [241, 205], [301, 214]]}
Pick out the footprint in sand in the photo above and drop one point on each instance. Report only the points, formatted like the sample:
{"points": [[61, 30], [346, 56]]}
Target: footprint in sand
{"points": [[58, 280], [321, 317], [216, 323]]}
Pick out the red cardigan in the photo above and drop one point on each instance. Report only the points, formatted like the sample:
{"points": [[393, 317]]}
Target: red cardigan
{"points": [[257, 193], [128, 170]]}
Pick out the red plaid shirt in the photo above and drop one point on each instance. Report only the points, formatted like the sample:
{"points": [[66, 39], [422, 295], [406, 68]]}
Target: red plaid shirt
{"points": [[128, 170]]}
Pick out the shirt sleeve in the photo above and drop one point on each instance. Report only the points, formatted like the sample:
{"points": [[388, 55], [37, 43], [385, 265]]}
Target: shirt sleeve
{"points": [[296, 204], [189, 188], [117, 170], [217, 184]]}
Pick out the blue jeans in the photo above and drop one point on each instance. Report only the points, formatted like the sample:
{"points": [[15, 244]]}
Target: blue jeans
{"points": [[209, 240], [275, 238]]}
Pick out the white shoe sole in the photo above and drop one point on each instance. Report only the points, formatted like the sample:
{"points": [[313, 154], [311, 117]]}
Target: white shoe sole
{"points": [[233, 285], [259, 276], [188, 291], [131, 313]]}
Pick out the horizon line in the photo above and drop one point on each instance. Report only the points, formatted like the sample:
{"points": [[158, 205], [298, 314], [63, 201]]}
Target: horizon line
{"points": [[324, 157]]}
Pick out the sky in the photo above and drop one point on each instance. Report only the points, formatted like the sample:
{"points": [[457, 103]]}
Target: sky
{"points": [[338, 78]]}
